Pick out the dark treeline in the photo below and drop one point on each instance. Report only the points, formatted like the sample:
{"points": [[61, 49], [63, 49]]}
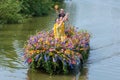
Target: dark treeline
{"points": [[14, 11]]}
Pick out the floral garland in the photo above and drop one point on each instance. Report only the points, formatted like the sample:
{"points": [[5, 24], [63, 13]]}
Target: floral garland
{"points": [[54, 56]]}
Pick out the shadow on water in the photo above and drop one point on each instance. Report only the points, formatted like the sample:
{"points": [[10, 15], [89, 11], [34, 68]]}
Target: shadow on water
{"points": [[32, 76], [12, 39], [37, 75]]}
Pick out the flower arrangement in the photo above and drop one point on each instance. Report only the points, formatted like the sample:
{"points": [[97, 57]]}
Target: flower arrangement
{"points": [[54, 56]]}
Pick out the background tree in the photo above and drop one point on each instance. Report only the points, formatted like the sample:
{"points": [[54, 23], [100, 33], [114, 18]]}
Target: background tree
{"points": [[9, 11], [13, 11]]}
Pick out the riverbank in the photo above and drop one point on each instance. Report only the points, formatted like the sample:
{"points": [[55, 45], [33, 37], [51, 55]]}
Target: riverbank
{"points": [[12, 11]]}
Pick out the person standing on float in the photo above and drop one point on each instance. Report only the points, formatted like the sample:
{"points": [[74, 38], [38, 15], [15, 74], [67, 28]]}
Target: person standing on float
{"points": [[59, 28], [61, 13]]}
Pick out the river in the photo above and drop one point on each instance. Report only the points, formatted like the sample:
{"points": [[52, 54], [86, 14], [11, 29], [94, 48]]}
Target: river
{"points": [[100, 17]]}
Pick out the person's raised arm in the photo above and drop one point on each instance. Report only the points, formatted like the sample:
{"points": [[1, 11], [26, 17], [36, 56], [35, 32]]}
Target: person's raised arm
{"points": [[64, 19]]}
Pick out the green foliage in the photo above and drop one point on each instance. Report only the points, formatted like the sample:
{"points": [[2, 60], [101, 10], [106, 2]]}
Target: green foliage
{"points": [[36, 7], [12, 11], [9, 11], [57, 0]]}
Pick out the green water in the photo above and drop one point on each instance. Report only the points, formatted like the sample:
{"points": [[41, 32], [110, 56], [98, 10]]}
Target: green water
{"points": [[12, 39]]}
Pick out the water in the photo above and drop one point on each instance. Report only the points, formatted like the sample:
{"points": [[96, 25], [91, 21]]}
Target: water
{"points": [[100, 17], [12, 39]]}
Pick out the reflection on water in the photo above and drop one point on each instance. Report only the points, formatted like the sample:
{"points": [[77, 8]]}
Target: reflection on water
{"points": [[12, 39], [32, 76], [36, 75]]}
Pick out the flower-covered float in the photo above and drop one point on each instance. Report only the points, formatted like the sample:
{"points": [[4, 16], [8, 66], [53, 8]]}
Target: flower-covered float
{"points": [[54, 56]]}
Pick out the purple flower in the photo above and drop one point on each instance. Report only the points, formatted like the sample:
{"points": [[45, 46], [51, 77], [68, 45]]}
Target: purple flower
{"points": [[37, 57], [64, 62], [45, 58], [59, 58], [54, 59], [70, 64]]}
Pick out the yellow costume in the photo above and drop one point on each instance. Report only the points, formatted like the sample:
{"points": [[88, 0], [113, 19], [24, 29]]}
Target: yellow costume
{"points": [[59, 31], [62, 31], [56, 31]]}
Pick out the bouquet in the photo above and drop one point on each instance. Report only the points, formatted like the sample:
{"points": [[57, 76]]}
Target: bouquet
{"points": [[45, 53]]}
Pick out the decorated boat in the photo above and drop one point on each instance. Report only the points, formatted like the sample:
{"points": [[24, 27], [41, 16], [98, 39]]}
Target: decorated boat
{"points": [[45, 53]]}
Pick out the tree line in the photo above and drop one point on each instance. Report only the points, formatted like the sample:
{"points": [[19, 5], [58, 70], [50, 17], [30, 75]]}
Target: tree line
{"points": [[15, 11]]}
